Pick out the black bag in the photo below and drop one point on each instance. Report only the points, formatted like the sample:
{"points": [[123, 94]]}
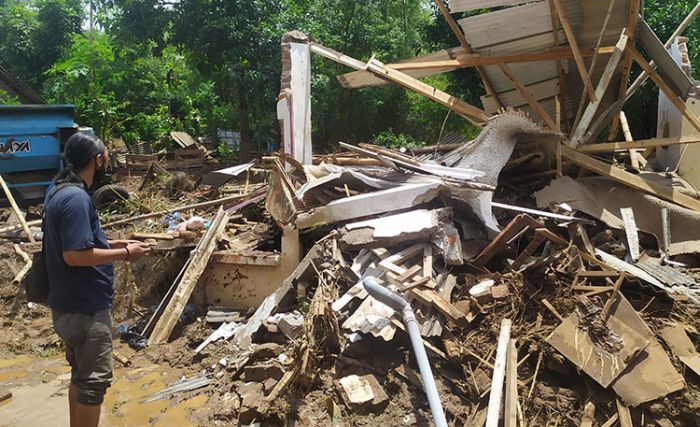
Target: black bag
{"points": [[36, 282]]}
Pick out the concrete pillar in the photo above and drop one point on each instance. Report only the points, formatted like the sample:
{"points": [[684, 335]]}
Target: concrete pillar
{"points": [[294, 101]]}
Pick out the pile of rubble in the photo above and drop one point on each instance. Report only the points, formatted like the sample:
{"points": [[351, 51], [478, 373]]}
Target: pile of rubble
{"points": [[540, 305]]}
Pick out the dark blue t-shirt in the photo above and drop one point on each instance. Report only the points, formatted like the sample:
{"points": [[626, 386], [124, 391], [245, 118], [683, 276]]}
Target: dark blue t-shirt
{"points": [[71, 223]]}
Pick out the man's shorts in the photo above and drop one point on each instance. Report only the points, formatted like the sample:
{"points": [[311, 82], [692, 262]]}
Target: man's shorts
{"points": [[88, 340]]}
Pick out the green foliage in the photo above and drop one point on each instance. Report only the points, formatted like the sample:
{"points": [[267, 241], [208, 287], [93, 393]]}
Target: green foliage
{"points": [[7, 99], [34, 34], [133, 91], [389, 139], [225, 152]]}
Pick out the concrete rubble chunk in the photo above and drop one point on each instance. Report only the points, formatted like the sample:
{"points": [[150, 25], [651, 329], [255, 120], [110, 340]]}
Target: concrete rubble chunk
{"points": [[363, 392]]}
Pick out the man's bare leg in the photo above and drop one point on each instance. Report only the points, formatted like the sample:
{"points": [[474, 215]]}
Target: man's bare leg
{"points": [[72, 401], [87, 415]]}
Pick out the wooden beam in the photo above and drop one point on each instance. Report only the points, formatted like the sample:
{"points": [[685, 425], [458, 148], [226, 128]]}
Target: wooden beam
{"points": [[475, 59], [594, 61], [431, 298], [511, 405], [197, 263], [580, 134], [574, 47], [531, 101], [462, 108], [16, 210], [423, 66], [642, 143], [627, 62], [560, 68], [624, 413], [665, 88], [499, 372], [467, 48], [631, 180]]}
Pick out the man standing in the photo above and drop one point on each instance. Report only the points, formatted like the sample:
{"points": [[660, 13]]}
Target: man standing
{"points": [[79, 261]]}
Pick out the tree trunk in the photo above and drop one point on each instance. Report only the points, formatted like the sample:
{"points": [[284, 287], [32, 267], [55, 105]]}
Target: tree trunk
{"points": [[244, 126]]}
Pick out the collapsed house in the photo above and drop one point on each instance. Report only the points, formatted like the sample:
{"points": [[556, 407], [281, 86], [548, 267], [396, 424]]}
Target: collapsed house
{"points": [[551, 275]]}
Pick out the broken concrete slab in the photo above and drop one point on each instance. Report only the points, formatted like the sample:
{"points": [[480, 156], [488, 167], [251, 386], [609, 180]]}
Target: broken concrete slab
{"points": [[363, 205], [363, 392], [394, 229], [372, 317]]}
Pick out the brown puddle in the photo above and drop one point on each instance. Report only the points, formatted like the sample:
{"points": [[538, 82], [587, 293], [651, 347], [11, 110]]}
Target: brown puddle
{"points": [[23, 377]]}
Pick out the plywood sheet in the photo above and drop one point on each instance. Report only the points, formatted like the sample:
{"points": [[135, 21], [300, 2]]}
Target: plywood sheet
{"points": [[508, 24], [577, 346], [652, 374], [677, 339], [464, 5]]}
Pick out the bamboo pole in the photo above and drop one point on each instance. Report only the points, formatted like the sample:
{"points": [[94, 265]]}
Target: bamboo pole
{"points": [[15, 208]]}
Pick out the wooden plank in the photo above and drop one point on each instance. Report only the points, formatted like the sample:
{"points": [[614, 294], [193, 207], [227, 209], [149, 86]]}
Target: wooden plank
{"points": [[634, 181], [465, 5], [531, 101], [467, 48], [428, 261], [513, 98], [574, 47], [601, 33], [454, 58], [511, 404], [460, 107], [675, 100], [580, 135], [506, 25], [16, 210], [432, 299], [562, 72], [418, 67], [639, 144], [410, 273], [624, 412], [626, 62], [499, 371], [167, 321]]}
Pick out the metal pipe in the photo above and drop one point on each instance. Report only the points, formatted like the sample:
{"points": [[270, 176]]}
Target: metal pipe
{"points": [[666, 226], [385, 296]]}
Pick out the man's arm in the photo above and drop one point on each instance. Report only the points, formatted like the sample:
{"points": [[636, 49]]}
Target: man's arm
{"points": [[94, 256]]}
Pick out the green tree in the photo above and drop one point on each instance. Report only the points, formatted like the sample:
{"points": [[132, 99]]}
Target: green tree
{"points": [[34, 34]]}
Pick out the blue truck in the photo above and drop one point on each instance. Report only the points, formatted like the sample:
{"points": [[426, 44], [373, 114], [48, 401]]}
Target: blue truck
{"points": [[32, 138]]}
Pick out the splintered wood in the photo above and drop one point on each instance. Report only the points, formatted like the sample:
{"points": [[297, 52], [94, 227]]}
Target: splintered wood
{"points": [[198, 262]]}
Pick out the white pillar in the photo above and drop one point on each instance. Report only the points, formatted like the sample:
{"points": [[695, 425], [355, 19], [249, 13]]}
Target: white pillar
{"points": [[294, 101]]}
